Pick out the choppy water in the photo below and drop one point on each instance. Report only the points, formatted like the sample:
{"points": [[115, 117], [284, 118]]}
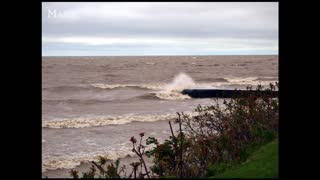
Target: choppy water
{"points": [[93, 105]]}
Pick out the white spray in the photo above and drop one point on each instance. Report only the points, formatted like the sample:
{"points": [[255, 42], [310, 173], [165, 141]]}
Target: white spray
{"points": [[180, 82], [173, 90]]}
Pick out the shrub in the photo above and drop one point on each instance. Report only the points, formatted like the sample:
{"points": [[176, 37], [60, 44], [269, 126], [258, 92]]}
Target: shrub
{"points": [[217, 135]]}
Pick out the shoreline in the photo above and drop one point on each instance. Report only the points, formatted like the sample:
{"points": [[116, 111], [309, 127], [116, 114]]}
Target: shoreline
{"points": [[159, 129], [85, 166]]}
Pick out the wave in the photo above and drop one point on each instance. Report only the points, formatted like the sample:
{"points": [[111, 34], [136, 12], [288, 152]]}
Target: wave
{"points": [[173, 90], [74, 101], [102, 86], [249, 81], [150, 63], [170, 91], [267, 79], [159, 95], [162, 91], [243, 64], [67, 88], [172, 95], [164, 95], [94, 121], [213, 80], [148, 96], [139, 86], [71, 161], [50, 162], [182, 81]]}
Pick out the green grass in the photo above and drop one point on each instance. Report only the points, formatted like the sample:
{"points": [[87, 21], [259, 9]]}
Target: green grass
{"points": [[263, 163]]}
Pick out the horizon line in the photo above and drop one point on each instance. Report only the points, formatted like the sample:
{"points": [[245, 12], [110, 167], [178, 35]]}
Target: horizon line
{"points": [[159, 55]]}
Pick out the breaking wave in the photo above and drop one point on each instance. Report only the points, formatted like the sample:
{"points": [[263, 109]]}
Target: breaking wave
{"points": [[180, 82], [173, 90], [171, 95], [93, 121], [68, 162], [164, 95]]}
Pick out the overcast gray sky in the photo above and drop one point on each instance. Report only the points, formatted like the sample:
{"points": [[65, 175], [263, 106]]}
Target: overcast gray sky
{"points": [[151, 28]]}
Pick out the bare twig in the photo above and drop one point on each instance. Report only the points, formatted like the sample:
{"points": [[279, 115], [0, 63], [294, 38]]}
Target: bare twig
{"points": [[99, 167], [181, 148], [139, 153], [171, 130]]}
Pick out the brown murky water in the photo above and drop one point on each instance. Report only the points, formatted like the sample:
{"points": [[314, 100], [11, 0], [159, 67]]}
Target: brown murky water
{"points": [[92, 105]]}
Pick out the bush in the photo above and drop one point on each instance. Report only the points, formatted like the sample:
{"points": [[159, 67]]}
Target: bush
{"points": [[217, 135]]}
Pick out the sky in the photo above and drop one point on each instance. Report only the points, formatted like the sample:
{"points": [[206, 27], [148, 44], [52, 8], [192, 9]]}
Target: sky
{"points": [[159, 28]]}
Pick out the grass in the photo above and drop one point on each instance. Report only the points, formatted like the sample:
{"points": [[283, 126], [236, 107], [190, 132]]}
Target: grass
{"points": [[263, 163]]}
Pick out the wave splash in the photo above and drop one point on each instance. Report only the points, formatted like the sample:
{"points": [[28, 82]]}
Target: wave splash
{"points": [[180, 82], [173, 90]]}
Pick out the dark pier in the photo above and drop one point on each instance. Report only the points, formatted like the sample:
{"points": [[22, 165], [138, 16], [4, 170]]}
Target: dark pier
{"points": [[226, 93]]}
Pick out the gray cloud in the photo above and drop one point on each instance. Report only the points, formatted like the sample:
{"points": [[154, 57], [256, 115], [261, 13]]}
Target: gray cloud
{"points": [[196, 22]]}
